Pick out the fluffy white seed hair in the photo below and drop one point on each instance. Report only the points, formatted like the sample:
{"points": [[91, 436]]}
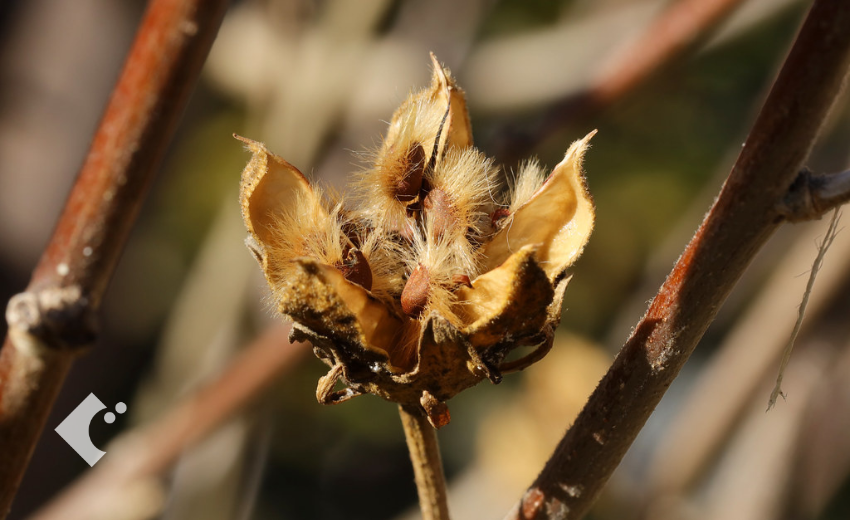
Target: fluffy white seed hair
{"points": [[469, 178], [526, 183], [307, 228]]}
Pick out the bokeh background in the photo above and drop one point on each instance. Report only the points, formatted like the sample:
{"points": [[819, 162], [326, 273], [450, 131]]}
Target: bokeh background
{"points": [[317, 81]]}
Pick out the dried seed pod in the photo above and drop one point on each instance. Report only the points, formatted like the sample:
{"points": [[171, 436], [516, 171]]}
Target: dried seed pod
{"points": [[425, 287], [414, 297], [286, 217], [425, 127], [457, 131], [559, 215]]}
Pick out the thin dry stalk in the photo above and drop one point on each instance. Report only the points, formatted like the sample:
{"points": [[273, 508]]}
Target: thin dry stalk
{"points": [[151, 449], [427, 466], [54, 318], [744, 216], [789, 347]]}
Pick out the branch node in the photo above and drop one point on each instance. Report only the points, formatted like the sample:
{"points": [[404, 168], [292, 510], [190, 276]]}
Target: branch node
{"points": [[810, 196], [59, 317]]}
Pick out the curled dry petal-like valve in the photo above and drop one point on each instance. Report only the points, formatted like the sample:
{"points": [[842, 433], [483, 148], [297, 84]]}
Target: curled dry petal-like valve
{"points": [[424, 285]]}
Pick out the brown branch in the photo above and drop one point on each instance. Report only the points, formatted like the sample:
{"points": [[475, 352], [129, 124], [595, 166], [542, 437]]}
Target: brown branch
{"points": [[54, 318], [744, 216], [735, 374], [149, 450], [427, 466], [672, 33]]}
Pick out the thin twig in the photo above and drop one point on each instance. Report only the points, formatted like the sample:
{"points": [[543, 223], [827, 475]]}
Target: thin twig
{"points": [[149, 450], [674, 31], [427, 466], [741, 220], [831, 232], [54, 318]]}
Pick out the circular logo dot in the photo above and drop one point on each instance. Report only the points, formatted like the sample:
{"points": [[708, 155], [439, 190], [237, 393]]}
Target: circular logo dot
{"points": [[120, 407], [109, 417]]}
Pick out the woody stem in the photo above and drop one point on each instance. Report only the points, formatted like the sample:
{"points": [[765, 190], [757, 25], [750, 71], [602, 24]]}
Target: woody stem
{"points": [[427, 466]]}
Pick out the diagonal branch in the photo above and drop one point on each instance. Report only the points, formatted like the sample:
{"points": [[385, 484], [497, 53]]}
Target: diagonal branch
{"points": [[54, 318], [743, 217]]}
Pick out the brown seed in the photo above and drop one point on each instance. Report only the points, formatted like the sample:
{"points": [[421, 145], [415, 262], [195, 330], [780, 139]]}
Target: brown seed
{"points": [[438, 207], [352, 229], [461, 279], [413, 167], [356, 269], [498, 216], [414, 296]]}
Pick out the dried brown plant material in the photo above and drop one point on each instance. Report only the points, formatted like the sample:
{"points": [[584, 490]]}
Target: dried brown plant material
{"points": [[535, 222], [422, 287]]}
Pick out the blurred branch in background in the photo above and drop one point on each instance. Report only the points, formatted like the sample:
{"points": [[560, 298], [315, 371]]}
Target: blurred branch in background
{"points": [[821, 462], [139, 457], [754, 472], [510, 73], [675, 30], [744, 216], [55, 317], [202, 332]]}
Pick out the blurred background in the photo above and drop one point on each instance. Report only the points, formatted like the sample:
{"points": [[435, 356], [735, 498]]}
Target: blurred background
{"points": [[317, 81]]}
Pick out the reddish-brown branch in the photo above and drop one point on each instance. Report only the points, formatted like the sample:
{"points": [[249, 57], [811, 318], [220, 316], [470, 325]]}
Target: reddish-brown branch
{"points": [[744, 216], [672, 33], [53, 318], [153, 448]]}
